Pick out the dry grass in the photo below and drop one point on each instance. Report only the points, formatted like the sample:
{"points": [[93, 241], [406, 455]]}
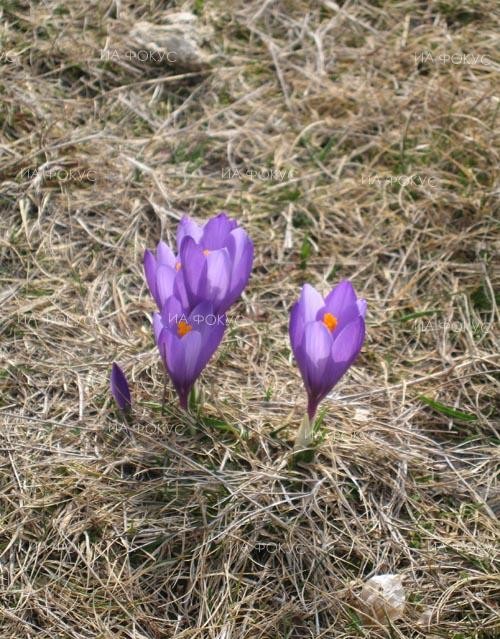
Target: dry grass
{"points": [[204, 530]]}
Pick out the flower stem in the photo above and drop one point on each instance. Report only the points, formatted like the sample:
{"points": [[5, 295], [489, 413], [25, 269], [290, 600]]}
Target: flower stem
{"points": [[304, 434]]}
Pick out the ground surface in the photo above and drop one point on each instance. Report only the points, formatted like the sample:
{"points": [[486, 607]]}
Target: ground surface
{"points": [[388, 157]]}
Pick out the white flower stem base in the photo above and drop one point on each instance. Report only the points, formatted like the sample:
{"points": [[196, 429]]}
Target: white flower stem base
{"points": [[304, 435]]}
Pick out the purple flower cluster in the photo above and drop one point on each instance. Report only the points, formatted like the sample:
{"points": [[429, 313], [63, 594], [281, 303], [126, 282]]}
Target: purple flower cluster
{"points": [[211, 269], [194, 289]]}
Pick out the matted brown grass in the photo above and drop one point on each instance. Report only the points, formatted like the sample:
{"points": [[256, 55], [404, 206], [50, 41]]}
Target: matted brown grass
{"points": [[204, 530]]}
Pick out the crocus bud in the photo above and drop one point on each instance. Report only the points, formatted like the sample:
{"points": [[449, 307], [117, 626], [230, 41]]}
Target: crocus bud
{"points": [[119, 388]]}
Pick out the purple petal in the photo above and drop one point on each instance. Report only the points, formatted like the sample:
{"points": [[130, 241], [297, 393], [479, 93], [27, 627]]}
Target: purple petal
{"points": [[310, 302], [164, 255], [198, 316], [191, 343], [317, 347], [302, 362], [180, 289], [343, 304], [162, 345], [181, 356], [296, 327], [211, 327], [172, 313], [348, 342], [194, 267], [304, 311], [344, 351], [188, 228], [173, 356], [240, 248], [119, 388], [344, 316], [341, 296], [150, 273], [157, 327], [218, 275], [165, 276], [333, 373], [211, 338], [216, 231], [237, 242]]}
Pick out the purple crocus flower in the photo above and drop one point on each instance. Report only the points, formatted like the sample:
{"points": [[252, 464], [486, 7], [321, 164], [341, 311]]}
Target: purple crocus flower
{"points": [[216, 260], [326, 337], [119, 388], [186, 341]]}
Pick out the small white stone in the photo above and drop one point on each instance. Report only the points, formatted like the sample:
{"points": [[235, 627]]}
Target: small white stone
{"points": [[425, 618], [175, 42], [383, 598]]}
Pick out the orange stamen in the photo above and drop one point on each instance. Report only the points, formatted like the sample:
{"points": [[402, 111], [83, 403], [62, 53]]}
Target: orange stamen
{"points": [[178, 266], [330, 321], [206, 252], [183, 328]]}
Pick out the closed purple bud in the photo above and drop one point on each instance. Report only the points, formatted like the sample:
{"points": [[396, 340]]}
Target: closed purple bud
{"points": [[119, 388]]}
